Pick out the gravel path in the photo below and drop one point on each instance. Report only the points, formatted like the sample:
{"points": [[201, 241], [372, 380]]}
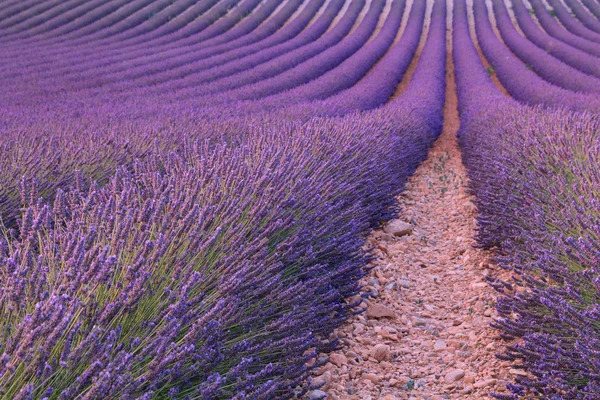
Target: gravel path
{"points": [[425, 333]]}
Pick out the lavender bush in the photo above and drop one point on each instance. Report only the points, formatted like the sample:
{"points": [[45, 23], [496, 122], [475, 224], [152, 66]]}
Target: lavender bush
{"points": [[160, 249], [533, 172]]}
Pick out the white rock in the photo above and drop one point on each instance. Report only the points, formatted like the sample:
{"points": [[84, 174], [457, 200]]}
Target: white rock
{"points": [[485, 383], [398, 228], [381, 352], [338, 359], [439, 345], [380, 311], [317, 395], [454, 375]]}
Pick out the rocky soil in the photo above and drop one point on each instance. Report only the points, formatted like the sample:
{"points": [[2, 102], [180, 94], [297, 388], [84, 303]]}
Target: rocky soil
{"points": [[425, 331]]}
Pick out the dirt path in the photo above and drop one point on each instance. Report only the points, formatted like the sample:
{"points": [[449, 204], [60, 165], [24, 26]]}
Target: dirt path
{"points": [[425, 334]]}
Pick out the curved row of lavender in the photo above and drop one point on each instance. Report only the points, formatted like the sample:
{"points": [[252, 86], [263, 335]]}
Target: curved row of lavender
{"points": [[375, 88], [232, 35], [572, 23], [156, 248], [543, 64], [593, 7], [555, 29], [534, 174], [583, 15], [520, 81], [572, 56], [250, 69]]}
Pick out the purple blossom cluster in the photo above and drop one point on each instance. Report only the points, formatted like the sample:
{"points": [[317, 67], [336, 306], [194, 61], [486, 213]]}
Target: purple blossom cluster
{"points": [[534, 172], [164, 238]]}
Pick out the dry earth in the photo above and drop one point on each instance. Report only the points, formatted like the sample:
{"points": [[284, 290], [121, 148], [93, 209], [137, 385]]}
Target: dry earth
{"points": [[425, 333]]}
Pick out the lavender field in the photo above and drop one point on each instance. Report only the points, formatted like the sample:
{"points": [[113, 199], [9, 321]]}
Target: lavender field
{"points": [[189, 192]]}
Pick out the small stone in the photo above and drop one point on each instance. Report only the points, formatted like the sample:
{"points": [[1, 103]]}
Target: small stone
{"points": [[372, 377], [485, 383], [323, 380], [317, 395], [380, 311], [479, 285], [468, 390], [338, 359], [398, 228], [519, 372], [488, 312], [439, 345], [491, 347], [404, 283], [381, 352], [351, 354], [454, 375]]}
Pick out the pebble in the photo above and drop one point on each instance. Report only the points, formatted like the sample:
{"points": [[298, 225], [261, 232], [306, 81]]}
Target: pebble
{"points": [[439, 345], [485, 383], [377, 310], [323, 380], [371, 377], [398, 228], [454, 375], [317, 395], [519, 372], [338, 359], [381, 352]]}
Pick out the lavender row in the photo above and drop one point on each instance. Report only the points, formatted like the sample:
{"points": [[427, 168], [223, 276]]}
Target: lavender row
{"points": [[314, 67], [138, 64], [554, 29], [205, 304], [583, 15], [50, 24], [533, 173], [351, 70], [293, 51], [73, 48], [210, 25], [521, 82], [291, 39], [376, 88], [297, 104], [154, 69], [571, 23], [543, 64], [593, 6], [572, 56], [292, 68]]}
